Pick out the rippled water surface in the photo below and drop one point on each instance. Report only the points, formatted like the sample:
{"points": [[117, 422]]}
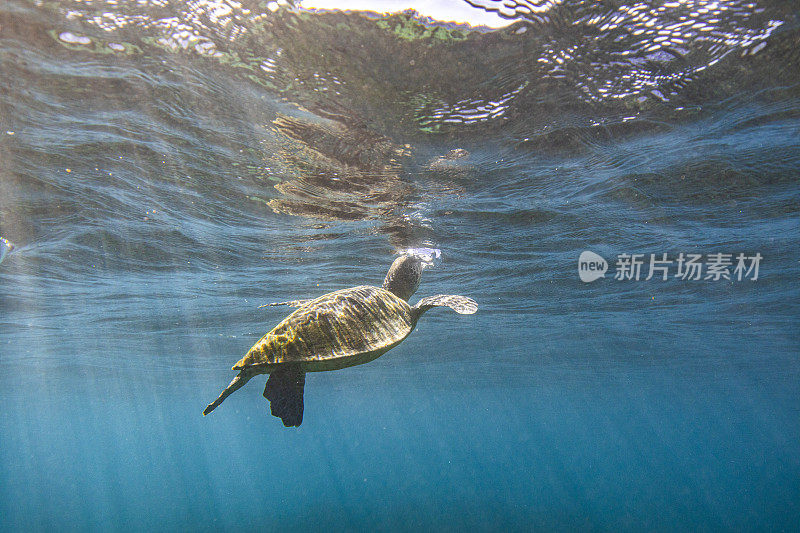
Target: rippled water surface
{"points": [[168, 166]]}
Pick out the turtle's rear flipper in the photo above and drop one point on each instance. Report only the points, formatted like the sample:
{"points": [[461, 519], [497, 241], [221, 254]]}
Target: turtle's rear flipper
{"points": [[237, 383], [284, 391], [293, 303]]}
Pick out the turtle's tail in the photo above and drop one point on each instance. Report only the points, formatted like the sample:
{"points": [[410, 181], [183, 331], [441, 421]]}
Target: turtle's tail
{"points": [[236, 384]]}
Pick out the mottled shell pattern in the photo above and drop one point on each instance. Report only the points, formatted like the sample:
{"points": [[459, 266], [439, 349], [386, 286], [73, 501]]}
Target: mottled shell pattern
{"points": [[350, 323]]}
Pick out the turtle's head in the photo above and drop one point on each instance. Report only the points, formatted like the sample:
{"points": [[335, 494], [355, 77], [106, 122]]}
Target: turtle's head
{"points": [[403, 277]]}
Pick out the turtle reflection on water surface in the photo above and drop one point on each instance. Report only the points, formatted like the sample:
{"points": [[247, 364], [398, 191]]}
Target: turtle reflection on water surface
{"points": [[339, 329]]}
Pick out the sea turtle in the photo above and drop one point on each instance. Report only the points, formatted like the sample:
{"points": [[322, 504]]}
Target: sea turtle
{"points": [[339, 329]]}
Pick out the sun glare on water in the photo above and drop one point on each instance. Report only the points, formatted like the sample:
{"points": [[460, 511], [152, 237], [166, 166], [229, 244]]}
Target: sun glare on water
{"points": [[445, 11]]}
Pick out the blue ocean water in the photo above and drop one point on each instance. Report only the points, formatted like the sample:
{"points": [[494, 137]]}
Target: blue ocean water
{"points": [[168, 166]]}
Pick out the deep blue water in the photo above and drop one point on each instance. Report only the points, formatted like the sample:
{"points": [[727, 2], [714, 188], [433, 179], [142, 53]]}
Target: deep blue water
{"points": [[167, 167]]}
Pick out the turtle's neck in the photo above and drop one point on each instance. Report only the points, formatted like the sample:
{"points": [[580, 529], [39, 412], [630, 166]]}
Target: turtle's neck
{"points": [[403, 277]]}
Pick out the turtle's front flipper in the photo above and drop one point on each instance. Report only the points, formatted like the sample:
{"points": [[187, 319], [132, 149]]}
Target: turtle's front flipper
{"points": [[293, 303], [284, 391], [459, 304]]}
